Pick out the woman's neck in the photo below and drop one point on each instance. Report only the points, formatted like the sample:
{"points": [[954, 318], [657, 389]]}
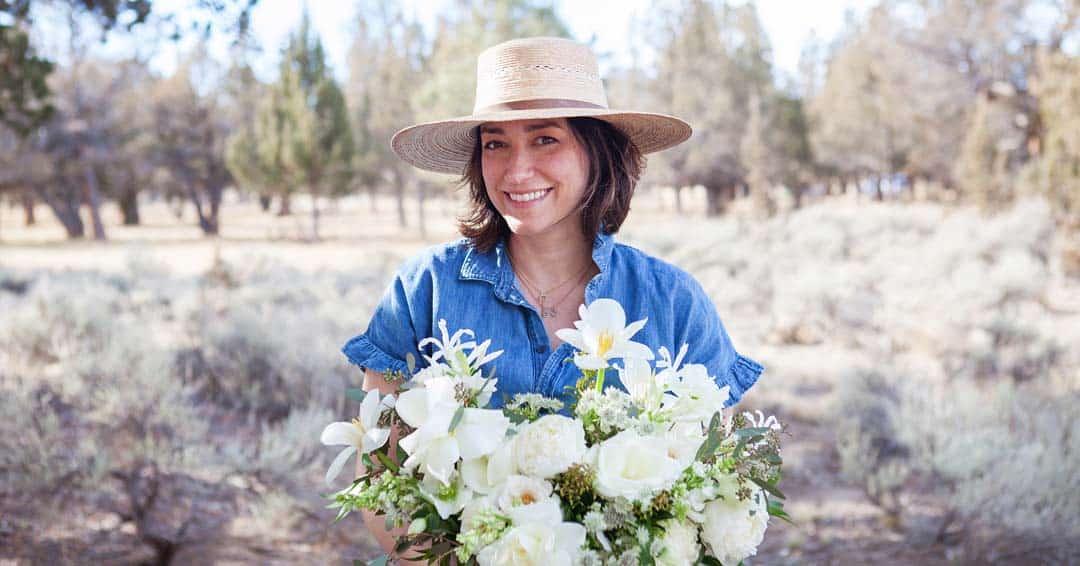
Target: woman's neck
{"points": [[550, 259]]}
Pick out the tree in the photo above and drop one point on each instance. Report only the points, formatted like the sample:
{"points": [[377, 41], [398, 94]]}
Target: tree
{"points": [[1055, 173], [756, 158], [711, 60], [316, 141], [190, 140]]}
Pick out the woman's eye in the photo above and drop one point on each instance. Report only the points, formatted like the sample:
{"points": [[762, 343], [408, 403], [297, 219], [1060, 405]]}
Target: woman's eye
{"points": [[492, 144], [545, 140]]}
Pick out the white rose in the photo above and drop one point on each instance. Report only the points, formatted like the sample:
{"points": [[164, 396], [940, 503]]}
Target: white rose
{"points": [[634, 466], [681, 547], [549, 446], [535, 544], [733, 529]]}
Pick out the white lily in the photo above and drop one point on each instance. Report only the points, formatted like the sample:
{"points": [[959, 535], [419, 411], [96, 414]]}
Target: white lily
{"points": [[602, 334], [362, 434], [451, 348], [645, 387], [433, 446]]}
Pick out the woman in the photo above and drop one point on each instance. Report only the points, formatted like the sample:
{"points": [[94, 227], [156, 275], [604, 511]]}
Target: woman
{"points": [[551, 171]]}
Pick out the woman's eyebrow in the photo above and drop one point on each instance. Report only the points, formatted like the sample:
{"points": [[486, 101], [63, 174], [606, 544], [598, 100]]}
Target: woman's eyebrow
{"points": [[530, 128]]}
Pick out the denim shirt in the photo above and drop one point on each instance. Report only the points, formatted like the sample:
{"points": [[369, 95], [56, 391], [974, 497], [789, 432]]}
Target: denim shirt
{"points": [[477, 291]]}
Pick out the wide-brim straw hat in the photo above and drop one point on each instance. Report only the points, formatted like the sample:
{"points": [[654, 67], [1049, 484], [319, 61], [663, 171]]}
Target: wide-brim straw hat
{"points": [[533, 78]]}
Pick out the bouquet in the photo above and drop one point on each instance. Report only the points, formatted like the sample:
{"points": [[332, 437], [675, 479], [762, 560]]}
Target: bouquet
{"points": [[650, 473]]}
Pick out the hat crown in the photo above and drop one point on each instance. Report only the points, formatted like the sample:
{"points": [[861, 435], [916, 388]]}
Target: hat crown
{"points": [[539, 69]]}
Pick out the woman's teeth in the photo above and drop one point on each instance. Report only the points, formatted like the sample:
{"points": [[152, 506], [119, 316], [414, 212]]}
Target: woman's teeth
{"points": [[526, 197]]}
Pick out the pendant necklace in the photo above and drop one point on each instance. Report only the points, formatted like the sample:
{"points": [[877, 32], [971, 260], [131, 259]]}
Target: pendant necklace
{"points": [[546, 310]]}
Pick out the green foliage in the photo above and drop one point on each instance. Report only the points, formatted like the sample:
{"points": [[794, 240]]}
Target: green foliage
{"points": [[1055, 172], [24, 92]]}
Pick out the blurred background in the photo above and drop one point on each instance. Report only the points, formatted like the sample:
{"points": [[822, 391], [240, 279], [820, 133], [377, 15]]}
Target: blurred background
{"points": [[198, 207]]}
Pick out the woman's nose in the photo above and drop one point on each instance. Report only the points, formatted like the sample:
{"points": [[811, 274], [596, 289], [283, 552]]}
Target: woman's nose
{"points": [[520, 167]]}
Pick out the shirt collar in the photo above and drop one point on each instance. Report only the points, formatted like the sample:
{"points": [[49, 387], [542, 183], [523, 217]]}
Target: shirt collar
{"points": [[493, 266]]}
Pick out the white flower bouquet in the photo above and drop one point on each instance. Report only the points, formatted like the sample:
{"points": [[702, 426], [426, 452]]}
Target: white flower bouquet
{"points": [[651, 473]]}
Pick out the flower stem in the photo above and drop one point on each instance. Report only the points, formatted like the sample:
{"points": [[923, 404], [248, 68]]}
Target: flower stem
{"points": [[600, 380]]}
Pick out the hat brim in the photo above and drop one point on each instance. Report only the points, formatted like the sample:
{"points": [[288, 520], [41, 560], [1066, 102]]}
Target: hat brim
{"points": [[447, 145]]}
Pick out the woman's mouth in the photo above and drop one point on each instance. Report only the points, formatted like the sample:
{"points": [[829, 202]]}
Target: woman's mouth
{"points": [[530, 196]]}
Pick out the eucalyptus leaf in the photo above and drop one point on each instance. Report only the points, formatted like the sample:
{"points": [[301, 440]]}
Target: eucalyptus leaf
{"points": [[355, 393], [410, 362], [456, 420]]}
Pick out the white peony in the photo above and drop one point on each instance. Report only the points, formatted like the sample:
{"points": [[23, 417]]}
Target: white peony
{"points": [[361, 435], [634, 466], [529, 500], [733, 529], [680, 541], [535, 544], [549, 446], [602, 334]]}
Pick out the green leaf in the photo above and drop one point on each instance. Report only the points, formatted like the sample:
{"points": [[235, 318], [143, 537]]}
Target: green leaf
{"points": [[382, 560], [386, 461], [355, 393], [710, 561], [776, 509], [410, 362], [769, 488], [456, 420]]}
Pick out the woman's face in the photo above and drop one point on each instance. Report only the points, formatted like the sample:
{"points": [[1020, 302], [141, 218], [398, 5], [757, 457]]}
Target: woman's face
{"points": [[535, 172]]}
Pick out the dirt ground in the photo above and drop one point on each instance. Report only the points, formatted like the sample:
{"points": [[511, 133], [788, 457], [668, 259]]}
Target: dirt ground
{"points": [[835, 523]]}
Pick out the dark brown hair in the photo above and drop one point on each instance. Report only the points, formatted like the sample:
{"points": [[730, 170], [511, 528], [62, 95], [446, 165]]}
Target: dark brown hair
{"points": [[615, 164]]}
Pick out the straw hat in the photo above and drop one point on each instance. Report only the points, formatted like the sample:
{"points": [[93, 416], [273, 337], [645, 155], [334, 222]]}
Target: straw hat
{"points": [[538, 77]]}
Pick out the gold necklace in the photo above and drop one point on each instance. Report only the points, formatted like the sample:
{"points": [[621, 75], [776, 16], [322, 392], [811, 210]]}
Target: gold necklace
{"points": [[547, 311]]}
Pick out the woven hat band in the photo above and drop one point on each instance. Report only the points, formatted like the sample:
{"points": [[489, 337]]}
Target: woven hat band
{"points": [[538, 104], [537, 68]]}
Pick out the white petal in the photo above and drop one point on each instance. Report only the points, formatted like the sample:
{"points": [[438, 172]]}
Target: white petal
{"points": [[590, 361], [375, 438], [481, 431], [572, 337], [369, 410], [608, 314], [341, 434], [411, 444], [440, 457], [338, 463], [412, 407], [630, 350], [632, 328]]}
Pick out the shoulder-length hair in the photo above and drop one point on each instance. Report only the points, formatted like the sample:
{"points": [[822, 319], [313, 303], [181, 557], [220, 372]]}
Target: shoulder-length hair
{"points": [[615, 165]]}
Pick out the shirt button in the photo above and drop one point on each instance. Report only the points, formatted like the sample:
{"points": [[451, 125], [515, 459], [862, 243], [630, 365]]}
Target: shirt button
{"points": [[540, 349]]}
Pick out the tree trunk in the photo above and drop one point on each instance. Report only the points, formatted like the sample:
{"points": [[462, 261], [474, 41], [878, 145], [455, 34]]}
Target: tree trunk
{"points": [[879, 195], [714, 203], [372, 202], [129, 207], [66, 211], [421, 191], [264, 202], [28, 208], [92, 198], [314, 213], [285, 208], [399, 186], [678, 198], [207, 222]]}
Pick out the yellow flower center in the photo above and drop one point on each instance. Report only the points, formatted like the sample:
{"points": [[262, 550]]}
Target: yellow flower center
{"points": [[356, 423], [604, 343]]}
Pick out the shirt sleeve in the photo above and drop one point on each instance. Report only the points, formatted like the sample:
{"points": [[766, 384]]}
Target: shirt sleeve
{"points": [[708, 344], [391, 334]]}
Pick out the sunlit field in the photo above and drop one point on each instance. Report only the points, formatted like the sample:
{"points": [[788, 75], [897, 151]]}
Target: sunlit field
{"points": [[163, 392]]}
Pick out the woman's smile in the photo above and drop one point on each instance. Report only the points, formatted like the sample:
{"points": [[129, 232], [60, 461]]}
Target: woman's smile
{"points": [[527, 198]]}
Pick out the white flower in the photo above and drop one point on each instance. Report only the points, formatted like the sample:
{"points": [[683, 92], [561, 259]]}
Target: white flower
{"points": [[695, 396], [759, 420], [362, 434], [733, 529], [487, 473], [602, 334], [680, 543], [683, 441], [634, 466], [433, 446], [549, 446], [644, 387], [535, 544], [529, 500], [451, 349], [448, 499]]}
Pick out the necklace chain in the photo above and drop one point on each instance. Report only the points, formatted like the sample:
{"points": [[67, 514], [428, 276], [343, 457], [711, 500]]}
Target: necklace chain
{"points": [[546, 310]]}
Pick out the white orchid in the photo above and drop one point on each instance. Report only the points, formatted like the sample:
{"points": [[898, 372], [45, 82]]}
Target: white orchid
{"points": [[602, 334], [434, 446], [362, 434]]}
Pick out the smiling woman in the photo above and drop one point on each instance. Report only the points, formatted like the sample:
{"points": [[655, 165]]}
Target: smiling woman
{"points": [[550, 171]]}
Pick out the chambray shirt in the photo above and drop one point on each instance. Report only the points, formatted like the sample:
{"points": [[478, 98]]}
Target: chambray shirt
{"points": [[478, 291]]}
